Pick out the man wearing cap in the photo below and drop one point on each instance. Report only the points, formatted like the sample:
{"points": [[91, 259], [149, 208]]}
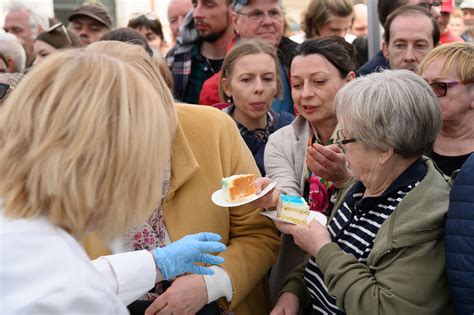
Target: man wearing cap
{"points": [[259, 19], [200, 49], [467, 8], [89, 22], [447, 36]]}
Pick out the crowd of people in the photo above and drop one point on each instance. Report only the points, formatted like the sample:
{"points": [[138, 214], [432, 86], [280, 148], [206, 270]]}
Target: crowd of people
{"points": [[113, 139]]}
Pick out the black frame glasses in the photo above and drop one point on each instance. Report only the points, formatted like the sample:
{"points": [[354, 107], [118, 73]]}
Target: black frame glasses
{"points": [[63, 28], [4, 87], [441, 88], [340, 141]]}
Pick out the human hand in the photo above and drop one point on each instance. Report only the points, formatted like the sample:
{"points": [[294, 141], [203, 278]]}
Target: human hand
{"points": [[186, 295], [311, 238], [288, 303], [328, 162], [270, 199], [179, 257]]}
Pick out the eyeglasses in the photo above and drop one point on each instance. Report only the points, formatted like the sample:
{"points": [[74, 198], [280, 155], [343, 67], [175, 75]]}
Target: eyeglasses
{"points": [[441, 88], [63, 28], [4, 89], [258, 15], [341, 142]]}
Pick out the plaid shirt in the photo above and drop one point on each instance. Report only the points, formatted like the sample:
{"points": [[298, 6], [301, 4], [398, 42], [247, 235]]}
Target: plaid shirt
{"points": [[180, 65]]}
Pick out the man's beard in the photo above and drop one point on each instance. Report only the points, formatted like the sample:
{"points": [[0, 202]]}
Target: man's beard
{"points": [[212, 37]]}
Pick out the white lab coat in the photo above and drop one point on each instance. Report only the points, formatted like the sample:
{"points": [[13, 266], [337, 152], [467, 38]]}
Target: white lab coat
{"points": [[44, 270]]}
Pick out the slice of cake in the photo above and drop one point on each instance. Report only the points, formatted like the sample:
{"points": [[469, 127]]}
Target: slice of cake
{"points": [[293, 209], [238, 187]]}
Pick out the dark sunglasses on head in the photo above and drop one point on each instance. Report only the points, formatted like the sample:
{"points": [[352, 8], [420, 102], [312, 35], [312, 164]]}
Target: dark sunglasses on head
{"points": [[4, 89], [63, 28]]}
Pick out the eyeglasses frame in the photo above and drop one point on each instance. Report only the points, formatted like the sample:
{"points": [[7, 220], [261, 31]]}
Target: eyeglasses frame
{"points": [[447, 85], [63, 28], [265, 13], [340, 141]]}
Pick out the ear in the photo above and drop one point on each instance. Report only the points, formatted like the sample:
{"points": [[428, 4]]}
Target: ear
{"points": [[350, 76], [384, 156], [226, 87], [235, 21], [385, 50]]}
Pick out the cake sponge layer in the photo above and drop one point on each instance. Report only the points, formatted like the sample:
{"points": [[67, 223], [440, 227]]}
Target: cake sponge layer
{"points": [[238, 187], [293, 209]]}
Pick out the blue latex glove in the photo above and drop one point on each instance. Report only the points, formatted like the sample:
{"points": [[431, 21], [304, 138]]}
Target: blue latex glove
{"points": [[179, 257]]}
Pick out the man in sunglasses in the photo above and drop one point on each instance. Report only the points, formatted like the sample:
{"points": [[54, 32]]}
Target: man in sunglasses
{"points": [[89, 22], [411, 33]]}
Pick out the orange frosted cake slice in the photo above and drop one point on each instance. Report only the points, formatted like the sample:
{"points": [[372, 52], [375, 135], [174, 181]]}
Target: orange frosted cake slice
{"points": [[238, 187], [293, 209]]}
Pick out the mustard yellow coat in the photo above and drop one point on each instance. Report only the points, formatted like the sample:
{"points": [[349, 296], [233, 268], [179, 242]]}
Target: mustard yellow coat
{"points": [[206, 148]]}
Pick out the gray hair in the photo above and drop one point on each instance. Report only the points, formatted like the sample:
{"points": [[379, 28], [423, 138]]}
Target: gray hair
{"points": [[36, 21], [391, 109], [238, 7], [11, 48]]}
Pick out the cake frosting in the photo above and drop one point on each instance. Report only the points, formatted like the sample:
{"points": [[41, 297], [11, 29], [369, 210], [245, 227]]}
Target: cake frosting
{"points": [[293, 209], [238, 187]]}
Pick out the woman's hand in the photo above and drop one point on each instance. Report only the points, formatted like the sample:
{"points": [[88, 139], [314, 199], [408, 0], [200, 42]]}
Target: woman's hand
{"points": [[270, 199], [310, 238], [287, 304], [328, 162]]}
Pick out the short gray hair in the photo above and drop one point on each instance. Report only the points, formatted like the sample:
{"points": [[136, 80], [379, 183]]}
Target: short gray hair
{"points": [[11, 48], [238, 7], [36, 22], [391, 109]]}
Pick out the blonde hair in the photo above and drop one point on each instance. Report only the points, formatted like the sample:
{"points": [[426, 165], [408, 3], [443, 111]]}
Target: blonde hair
{"points": [[460, 55], [248, 47], [137, 57], [84, 140]]}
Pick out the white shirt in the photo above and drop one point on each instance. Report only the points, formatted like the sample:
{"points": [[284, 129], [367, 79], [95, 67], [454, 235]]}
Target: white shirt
{"points": [[44, 270]]}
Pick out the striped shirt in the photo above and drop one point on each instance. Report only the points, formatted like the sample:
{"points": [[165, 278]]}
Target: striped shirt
{"points": [[354, 228]]}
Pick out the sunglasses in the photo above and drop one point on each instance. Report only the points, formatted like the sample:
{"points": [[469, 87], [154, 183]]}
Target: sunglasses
{"points": [[63, 28], [150, 16], [4, 89], [441, 88]]}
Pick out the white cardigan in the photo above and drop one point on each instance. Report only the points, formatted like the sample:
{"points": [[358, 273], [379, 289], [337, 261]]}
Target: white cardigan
{"points": [[44, 270]]}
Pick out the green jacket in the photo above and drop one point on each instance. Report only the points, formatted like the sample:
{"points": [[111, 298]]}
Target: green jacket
{"points": [[405, 272]]}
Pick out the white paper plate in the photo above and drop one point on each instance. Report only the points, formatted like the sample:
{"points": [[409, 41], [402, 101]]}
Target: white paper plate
{"points": [[218, 197], [313, 215]]}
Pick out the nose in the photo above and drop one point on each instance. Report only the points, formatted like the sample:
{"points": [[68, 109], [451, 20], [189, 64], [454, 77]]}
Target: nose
{"points": [[410, 54], [267, 19], [197, 12], [307, 91], [258, 87]]}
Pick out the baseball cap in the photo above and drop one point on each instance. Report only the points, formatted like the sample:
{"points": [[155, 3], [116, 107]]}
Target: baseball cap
{"points": [[93, 11], [467, 4], [447, 6]]}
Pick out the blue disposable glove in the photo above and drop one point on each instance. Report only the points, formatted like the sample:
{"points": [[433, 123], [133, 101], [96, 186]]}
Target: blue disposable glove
{"points": [[179, 257]]}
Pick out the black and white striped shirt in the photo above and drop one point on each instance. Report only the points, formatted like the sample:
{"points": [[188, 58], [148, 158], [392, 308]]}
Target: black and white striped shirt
{"points": [[354, 228]]}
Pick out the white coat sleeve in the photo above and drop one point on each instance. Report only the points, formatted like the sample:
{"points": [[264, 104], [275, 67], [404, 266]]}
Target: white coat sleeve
{"points": [[130, 275]]}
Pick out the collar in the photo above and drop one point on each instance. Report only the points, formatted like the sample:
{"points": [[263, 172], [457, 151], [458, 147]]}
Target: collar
{"points": [[412, 174], [183, 162]]}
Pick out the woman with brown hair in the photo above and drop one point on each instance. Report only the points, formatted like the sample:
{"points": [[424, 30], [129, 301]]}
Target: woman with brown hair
{"points": [[56, 37]]}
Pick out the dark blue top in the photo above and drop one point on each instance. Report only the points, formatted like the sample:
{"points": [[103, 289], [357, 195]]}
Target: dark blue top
{"points": [[460, 239], [377, 62]]}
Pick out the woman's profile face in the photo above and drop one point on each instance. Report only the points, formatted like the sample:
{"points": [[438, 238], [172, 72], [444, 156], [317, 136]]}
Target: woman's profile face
{"points": [[252, 84], [314, 84], [42, 50]]}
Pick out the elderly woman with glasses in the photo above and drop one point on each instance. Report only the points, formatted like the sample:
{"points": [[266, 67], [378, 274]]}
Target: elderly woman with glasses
{"points": [[382, 251], [449, 69], [56, 37]]}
